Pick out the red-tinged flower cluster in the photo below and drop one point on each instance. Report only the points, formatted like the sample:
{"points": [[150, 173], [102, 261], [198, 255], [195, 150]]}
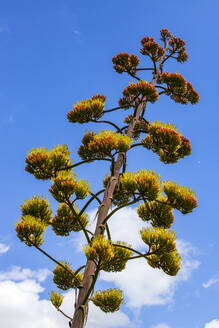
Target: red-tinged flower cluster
{"points": [[159, 213], [101, 145], [151, 48], [180, 197], [123, 62], [66, 220], [135, 93], [178, 88], [87, 109], [169, 144], [44, 163], [177, 46], [165, 34]]}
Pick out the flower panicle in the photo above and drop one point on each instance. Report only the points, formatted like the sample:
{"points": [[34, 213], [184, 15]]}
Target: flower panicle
{"points": [[101, 145], [65, 279], [44, 164], [167, 142], [108, 300], [87, 110], [123, 62]]}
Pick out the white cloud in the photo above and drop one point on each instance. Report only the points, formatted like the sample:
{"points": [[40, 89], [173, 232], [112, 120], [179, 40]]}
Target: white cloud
{"points": [[210, 282], [16, 273], [212, 324], [161, 325], [3, 248], [21, 306]]}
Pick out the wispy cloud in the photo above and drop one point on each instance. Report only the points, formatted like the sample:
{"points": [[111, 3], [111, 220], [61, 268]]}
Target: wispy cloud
{"points": [[4, 28], [161, 325], [3, 248], [76, 32], [17, 273], [210, 282]]}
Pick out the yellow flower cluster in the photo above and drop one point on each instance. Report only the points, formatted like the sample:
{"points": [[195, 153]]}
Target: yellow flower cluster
{"points": [[64, 279], [144, 183], [37, 207], [65, 185], [160, 214], [30, 229], [102, 144], [169, 144], [44, 163], [65, 221], [36, 215], [180, 197], [162, 245], [121, 256], [87, 109], [56, 299], [108, 300], [101, 250]]}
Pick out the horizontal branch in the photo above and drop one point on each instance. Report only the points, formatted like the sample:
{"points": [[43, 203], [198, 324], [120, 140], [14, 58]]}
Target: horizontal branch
{"points": [[144, 69]]}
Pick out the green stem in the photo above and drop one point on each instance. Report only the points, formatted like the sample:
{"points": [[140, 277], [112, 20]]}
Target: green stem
{"points": [[108, 231], [79, 221], [54, 260], [108, 122]]}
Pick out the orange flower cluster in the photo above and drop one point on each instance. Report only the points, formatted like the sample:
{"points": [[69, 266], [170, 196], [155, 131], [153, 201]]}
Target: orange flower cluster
{"points": [[64, 186], [180, 197], [169, 144], [165, 34], [151, 48], [177, 46], [123, 62], [178, 89], [87, 109], [44, 164], [160, 214], [64, 278], [134, 93], [101, 145], [66, 221]]}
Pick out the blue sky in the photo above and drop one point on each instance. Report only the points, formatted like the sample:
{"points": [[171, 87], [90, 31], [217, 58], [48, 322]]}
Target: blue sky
{"points": [[54, 53]]}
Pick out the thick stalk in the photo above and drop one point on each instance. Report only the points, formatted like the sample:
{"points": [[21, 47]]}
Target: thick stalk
{"points": [[81, 311], [80, 314]]}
